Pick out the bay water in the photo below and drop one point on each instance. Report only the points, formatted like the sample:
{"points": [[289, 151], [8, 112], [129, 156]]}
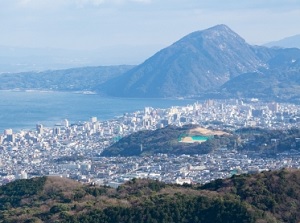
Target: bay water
{"points": [[24, 109]]}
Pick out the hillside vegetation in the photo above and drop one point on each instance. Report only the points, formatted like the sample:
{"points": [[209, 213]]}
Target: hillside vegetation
{"points": [[164, 140], [75, 79], [264, 197], [167, 140], [211, 63]]}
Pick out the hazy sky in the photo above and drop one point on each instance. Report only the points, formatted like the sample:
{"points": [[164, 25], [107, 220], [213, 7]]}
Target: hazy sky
{"points": [[145, 24]]}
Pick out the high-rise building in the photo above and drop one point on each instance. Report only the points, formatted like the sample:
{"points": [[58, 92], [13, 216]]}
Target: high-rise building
{"points": [[23, 175], [8, 132], [274, 107], [10, 138], [9, 135], [93, 119], [39, 129], [95, 127], [66, 123], [147, 110], [56, 131]]}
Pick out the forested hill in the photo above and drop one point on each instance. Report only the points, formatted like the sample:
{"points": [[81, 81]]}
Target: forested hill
{"points": [[168, 140], [74, 79], [264, 197]]}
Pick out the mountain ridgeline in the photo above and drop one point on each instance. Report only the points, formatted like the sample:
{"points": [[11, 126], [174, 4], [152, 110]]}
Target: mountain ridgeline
{"points": [[74, 79], [212, 63], [288, 42], [267, 197]]}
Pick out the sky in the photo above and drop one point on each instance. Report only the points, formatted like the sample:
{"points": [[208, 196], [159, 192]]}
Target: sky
{"points": [[129, 31]]}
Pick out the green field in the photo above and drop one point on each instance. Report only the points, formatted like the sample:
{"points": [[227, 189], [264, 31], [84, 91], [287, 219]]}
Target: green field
{"points": [[195, 137], [200, 138]]}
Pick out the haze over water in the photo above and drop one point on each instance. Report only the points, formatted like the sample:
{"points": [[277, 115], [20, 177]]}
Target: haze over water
{"points": [[24, 109]]}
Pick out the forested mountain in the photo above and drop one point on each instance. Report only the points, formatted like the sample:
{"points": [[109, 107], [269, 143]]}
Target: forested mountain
{"points": [[265, 197], [212, 63], [75, 79], [206, 62], [281, 81], [201, 61], [268, 85], [288, 42]]}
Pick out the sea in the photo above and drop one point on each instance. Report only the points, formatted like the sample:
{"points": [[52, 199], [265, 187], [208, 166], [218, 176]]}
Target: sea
{"points": [[22, 110]]}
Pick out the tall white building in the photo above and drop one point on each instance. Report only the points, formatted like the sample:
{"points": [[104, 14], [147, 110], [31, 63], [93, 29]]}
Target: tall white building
{"points": [[9, 135], [8, 132], [56, 131], [66, 123], [39, 129], [93, 119]]}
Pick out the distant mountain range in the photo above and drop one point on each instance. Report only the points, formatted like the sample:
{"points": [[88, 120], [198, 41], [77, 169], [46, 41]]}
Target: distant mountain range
{"points": [[75, 79], [199, 62], [213, 63], [280, 81], [289, 42], [25, 59]]}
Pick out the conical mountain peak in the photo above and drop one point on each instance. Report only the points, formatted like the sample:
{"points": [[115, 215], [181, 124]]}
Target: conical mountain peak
{"points": [[220, 27], [219, 33], [203, 60]]}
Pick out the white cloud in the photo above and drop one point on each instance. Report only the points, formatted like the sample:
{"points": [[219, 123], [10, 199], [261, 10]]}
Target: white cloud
{"points": [[41, 4], [78, 3], [25, 2], [82, 3], [142, 1]]}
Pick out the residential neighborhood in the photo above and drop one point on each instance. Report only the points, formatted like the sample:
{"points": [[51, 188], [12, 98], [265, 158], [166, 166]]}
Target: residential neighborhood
{"points": [[73, 149]]}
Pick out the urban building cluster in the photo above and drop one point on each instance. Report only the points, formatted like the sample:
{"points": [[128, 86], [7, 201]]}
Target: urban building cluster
{"points": [[73, 150]]}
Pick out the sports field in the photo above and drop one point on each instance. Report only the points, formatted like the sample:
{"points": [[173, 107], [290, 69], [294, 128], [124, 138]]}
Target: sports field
{"points": [[199, 135]]}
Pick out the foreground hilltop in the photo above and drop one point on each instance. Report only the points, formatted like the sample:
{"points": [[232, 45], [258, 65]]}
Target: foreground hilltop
{"points": [[264, 197]]}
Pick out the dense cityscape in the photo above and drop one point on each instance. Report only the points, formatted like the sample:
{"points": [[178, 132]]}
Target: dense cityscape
{"points": [[73, 150]]}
